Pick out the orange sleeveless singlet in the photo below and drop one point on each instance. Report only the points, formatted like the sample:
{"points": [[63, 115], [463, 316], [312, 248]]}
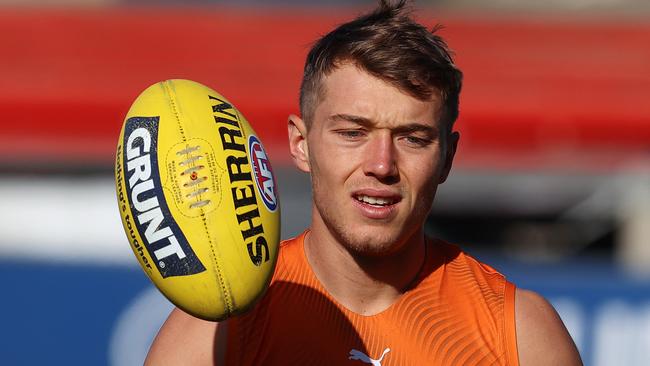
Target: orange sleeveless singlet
{"points": [[458, 312]]}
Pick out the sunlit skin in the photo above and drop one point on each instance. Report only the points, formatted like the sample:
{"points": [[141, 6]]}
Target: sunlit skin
{"points": [[376, 156]]}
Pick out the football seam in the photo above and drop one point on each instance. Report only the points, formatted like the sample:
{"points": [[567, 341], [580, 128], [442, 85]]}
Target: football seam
{"points": [[224, 286], [217, 268], [172, 105]]}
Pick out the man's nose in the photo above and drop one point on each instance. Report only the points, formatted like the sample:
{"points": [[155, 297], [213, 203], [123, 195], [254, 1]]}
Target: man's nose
{"points": [[381, 159]]}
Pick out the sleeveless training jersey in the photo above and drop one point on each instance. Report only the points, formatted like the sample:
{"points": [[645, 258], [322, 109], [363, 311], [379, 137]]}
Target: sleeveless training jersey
{"points": [[457, 312]]}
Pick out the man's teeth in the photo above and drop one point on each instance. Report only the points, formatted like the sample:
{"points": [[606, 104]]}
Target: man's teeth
{"points": [[381, 201]]}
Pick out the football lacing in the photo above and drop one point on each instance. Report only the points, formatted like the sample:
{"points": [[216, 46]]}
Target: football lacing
{"points": [[199, 204], [195, 182], [190, 160], [193, 172], [192, 169], [189, 149], [196, 192]]}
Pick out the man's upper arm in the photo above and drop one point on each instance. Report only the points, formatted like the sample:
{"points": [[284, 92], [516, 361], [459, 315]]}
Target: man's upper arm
{"points": [[184, 340], [542, 338]]}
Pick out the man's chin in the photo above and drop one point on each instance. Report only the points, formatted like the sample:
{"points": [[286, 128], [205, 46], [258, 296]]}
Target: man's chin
{"points": [[373, 245]]}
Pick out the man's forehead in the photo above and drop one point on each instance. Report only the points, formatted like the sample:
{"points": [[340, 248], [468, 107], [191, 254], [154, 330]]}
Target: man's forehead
{"points": [[353, 92]]}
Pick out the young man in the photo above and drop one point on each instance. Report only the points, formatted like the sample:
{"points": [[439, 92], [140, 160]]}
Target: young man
{"points": [[363, 284]]}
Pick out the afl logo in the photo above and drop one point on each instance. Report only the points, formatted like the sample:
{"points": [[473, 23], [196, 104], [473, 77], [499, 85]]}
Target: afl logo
{"points": [[263, 173]]}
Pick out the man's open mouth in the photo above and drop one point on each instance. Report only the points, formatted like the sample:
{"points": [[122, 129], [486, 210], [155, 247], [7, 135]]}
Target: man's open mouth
{"points": [[376, 201]]}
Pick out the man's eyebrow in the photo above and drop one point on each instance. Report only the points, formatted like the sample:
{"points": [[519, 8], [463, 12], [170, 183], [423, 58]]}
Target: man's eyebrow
{"points": [[367, 122], [417, 127], [363, 121]]}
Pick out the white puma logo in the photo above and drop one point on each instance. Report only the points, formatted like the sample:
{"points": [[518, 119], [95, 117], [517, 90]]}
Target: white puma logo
{"points": [[358, 355]]}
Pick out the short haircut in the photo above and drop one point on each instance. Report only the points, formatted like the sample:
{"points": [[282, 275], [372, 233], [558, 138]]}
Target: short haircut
{"points": [[391, 46]]}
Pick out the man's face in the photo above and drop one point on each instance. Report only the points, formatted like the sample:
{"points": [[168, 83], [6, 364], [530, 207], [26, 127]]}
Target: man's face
{"points": [[376, 156]]}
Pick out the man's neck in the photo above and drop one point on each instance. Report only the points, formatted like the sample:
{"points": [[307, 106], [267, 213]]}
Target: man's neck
{"points": [[366, 285]]}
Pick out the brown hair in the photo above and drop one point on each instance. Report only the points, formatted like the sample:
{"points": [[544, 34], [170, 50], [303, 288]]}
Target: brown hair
{"points": [[389, 45]]}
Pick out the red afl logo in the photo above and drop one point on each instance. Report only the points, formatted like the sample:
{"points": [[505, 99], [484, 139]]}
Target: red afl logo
{"points": [[263, 173]]}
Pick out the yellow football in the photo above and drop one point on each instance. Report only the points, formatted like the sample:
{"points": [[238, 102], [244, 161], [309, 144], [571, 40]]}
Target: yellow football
{"points": [[198, 199]]}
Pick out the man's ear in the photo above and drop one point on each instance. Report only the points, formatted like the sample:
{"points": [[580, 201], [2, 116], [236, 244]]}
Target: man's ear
{"points": [[298, 142], [452, 144]]}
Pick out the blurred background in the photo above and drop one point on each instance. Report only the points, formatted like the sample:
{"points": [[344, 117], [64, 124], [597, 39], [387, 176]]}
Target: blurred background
{"points": [[551, 184]]}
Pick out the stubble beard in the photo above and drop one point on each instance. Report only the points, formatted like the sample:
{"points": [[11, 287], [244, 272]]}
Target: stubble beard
{"points": [[367, 242]]}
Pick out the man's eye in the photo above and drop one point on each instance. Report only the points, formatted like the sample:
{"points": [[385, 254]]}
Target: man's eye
{"points": [[350, 133], [417, 141]]}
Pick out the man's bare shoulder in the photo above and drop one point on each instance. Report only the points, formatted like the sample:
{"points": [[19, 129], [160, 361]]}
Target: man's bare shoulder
{"points": [[184, 340], [542, 338]]}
